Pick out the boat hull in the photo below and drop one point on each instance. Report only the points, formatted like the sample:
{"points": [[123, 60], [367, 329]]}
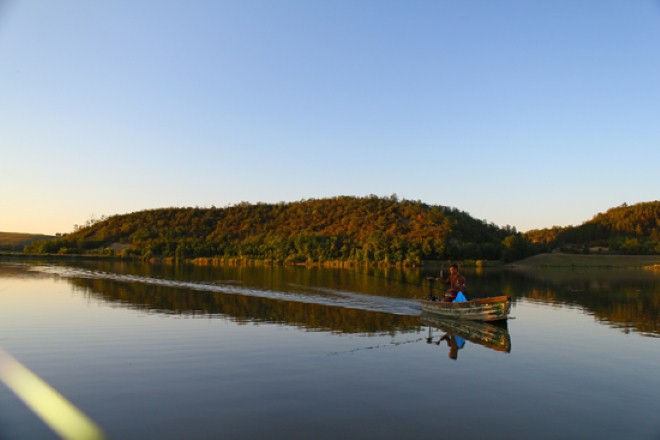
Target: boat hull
{"points": [[486, 309]]}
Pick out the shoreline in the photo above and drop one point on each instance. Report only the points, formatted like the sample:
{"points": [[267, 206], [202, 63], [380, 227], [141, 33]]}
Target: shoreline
{"points": [[553, 260], [563, 260]]}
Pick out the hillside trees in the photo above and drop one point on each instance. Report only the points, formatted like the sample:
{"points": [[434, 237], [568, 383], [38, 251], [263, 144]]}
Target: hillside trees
{"points": [[357, 229], [623, 229], [367, 229]]}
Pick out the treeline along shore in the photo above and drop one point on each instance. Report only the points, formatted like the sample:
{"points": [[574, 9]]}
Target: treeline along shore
{"points": [[344, 230]]}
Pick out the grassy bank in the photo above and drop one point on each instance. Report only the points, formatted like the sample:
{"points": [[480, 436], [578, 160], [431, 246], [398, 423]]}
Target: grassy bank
{"points": [[577, 260]]}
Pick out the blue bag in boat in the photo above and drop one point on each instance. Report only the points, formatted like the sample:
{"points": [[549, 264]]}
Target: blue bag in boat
{"points": [[460, 298]]}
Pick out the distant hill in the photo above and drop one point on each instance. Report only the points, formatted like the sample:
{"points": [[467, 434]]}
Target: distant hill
{"points": [[625, 229], [354, 229], [14, 241], [362, 229]]}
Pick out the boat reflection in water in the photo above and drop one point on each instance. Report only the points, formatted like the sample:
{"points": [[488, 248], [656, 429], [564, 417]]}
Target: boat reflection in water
{"points": [[494, 336]]}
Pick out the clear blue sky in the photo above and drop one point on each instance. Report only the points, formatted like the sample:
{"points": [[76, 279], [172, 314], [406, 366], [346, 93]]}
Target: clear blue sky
{"points": [[522, 113]]}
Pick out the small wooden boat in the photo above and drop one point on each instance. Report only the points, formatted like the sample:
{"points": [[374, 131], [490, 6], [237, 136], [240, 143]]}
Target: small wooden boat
{"points": [[486, 309]]}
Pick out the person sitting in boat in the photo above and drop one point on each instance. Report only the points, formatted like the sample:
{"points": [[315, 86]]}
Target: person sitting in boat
{"points": [[456, 283]]}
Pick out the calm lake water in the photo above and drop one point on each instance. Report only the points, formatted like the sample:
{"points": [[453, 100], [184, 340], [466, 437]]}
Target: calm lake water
{"points": [[173, 352]]}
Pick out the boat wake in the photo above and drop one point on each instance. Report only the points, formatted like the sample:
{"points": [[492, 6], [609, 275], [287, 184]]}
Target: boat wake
{"points": [[320, 296]]}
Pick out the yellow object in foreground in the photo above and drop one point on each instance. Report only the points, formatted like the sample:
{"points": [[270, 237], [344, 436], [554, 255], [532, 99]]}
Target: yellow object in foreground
{"points": [[57, 412]]}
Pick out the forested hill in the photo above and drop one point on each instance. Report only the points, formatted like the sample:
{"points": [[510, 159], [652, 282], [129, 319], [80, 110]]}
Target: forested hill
{"points": [[357, 229], [16, 241], [631, 229]]}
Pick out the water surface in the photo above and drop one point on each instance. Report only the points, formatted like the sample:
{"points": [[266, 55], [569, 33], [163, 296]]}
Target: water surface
{"points": [[242, 352]]}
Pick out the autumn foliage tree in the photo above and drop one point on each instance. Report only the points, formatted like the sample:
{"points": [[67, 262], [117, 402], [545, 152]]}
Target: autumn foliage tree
{"points": [[361, 229], [357, 229], [623, 229]]}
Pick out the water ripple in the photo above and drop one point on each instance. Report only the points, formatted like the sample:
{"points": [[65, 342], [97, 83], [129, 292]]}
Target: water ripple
{"points": [[321, 296]]}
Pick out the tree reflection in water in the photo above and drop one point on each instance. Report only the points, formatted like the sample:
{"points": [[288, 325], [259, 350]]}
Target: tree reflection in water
{"points": [[628, 299]]}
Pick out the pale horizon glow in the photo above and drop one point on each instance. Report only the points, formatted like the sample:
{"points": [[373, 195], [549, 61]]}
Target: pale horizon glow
{"points": [[529, 114]]}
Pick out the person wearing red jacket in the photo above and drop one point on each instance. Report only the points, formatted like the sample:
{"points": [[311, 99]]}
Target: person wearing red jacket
{"points": [[456, 283]]}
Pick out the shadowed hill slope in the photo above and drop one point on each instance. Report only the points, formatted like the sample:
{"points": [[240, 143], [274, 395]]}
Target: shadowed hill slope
{"points": [[15, 241]]}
